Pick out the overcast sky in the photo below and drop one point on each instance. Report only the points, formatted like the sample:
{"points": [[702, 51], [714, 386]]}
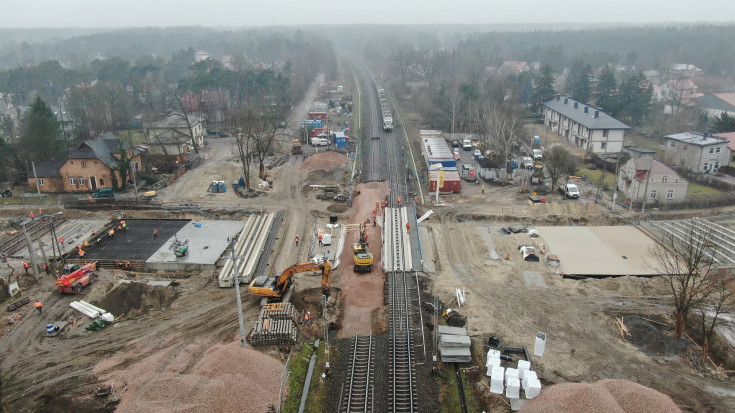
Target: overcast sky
{"points": [[237, 13]]}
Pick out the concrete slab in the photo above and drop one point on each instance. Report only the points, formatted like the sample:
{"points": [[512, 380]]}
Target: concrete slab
{"points": [[73, 231], [206, 244], [600, 251], [136, 242], [427, 249], [456, 331], [534, 279]]}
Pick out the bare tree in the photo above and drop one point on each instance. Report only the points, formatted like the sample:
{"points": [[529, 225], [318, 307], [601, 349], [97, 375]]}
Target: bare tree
{"points": [[176, 101], [260, 128], [719, 300], [559, 162], [504, 125], [450, 105], [686, 260], [241, 118], [676, 91], [405, 58]]}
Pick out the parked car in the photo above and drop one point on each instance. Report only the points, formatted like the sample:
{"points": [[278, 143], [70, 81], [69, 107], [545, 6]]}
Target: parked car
{"points": [[476, 153], [569, 190], [456, 144], [104, 193]]}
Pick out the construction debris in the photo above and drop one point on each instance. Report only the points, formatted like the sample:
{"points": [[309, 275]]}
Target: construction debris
{"points": [[275, 326], [624, 332]]}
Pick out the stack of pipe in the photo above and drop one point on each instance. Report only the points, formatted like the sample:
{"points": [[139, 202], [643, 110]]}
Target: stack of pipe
{"points": [[91, 311]]}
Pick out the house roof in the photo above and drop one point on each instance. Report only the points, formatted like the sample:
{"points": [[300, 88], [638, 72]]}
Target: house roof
{"points": [[101, 148], [642, 166], [512, 66], [730, 136], [565, 106], [695, 138], [48, 169], [728, 98], [639, 149], [715, 102], [167, 137]]}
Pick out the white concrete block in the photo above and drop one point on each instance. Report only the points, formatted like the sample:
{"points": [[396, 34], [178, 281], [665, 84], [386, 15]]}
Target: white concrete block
{"points": [[533, 388], [517, 404], [523, 367], [496, 382], [492, 362], [512, 387], [540, 346], [528, 376], [495, 354], [511, 373]]}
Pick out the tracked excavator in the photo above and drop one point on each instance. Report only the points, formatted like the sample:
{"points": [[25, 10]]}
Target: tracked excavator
{"points": [[280, 289], [363, 258]]}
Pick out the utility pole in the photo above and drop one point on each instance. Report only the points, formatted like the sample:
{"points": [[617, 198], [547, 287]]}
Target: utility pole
{"points": [[31, 251], [236, 280], [135, 184], [38, 188], [645, 191]]}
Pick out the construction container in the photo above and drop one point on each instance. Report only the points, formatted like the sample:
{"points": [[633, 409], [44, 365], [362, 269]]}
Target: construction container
{"points": [[449, 181], [339, 139]]}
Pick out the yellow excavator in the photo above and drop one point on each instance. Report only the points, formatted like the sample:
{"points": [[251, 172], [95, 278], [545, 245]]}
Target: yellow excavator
{"points": [[363, 258], [280, 288]]}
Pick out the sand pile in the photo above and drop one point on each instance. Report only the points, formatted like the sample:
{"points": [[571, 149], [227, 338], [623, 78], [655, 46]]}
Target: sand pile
{"points": [[604, 396], [225, 378], [324, 160], [125, 298]]}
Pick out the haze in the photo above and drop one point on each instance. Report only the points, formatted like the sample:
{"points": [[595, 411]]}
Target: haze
{"points": [[238, 13]]}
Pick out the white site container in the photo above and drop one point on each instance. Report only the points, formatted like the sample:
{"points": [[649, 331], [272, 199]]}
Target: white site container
{"points": [[530, 375], [523, 367], [513, 388], [538, 349], [496, 380], [533, 388]]}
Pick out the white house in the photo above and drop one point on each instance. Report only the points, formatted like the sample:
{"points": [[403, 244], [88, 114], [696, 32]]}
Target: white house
{"points": [[662, 185], [697, 152], [586, 127], [171, 134]]}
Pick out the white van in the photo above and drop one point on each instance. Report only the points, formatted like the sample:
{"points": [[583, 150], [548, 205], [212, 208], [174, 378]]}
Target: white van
{"points": [[569, 190], [537, 154], [467, 144], [319, 141]]}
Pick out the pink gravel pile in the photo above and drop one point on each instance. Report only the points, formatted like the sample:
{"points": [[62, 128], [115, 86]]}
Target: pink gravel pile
{"points": [[604, 396], [199, 378], [324, 160]]}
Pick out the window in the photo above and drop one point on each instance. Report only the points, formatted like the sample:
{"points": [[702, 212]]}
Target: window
{"points": [[670, 194], [603, 146], [80, 181], [706, 166], [136, 166], [673, 144], [40, 181], [653, 194], [718, 149], [665, 178], [72, 181], [102, 182], [711, 150], [685, 147], [84, 164], [604, 133], [717, 166]]}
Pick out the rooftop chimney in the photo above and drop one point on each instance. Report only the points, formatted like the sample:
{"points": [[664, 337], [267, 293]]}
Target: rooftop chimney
{"points": [[558, 97], [586, 109], [566, 100], [575, 105], [597, 113]]}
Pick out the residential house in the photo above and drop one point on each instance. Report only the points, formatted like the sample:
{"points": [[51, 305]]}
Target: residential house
{"points": [[730, 136], [653, 76], [201, 55], [172, 135], [210, 105], [713, 105], [586, 127], [649, 178], [697, 152], [90, 166], [676, 93], [684, 70], [637, 152], [228, 62], [513, 68]]}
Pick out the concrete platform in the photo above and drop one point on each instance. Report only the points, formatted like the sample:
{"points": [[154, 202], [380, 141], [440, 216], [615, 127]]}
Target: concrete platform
{"points": [[206, 244], [137, 242], [74, 231], [600, 251]]}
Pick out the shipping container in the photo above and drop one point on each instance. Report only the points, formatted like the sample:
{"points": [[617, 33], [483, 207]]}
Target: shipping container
{"points": [[451, 182]]}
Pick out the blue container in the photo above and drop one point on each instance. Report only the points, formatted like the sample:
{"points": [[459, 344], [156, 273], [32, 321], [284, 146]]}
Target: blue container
{"points": [[222, 187], [214, 186], [49, 329], [513, 164], [537, 140]]}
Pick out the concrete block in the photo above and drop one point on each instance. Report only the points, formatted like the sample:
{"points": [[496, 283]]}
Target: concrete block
{"points": [[528, 376], [496, 381], [533, 388], [512, 387], [517, 404], [492, 362], [511, 373], [523, 367]]}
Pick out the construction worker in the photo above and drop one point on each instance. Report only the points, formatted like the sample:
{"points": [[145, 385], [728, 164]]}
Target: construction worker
{"points": [[39, 307], [408, 227], [155, 233], [124, 226], [307, 318], [81, 253], [86, 243], [111, 232], [128, 265], [32, 215], [45, 267], [399, 201], [320, 240], [61, 240], [26, 266], [483, 189], [297, 240], [375, 220]]}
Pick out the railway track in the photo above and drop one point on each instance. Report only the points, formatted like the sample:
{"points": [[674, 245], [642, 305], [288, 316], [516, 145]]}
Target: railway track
{"points": [[358, 392]]}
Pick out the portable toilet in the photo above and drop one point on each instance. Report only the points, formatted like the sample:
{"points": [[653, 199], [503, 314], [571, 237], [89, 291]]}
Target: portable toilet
{"points": [[339, 139], [222, 186], [214, 186]]}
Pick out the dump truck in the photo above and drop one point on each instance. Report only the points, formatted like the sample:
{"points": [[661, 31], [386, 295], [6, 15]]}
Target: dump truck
{"points": [[363, 258], [76, 280], [279, 289], [295, 147]]}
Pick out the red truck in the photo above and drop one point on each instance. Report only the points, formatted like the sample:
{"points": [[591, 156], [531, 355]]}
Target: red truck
{"points": [[76, 280]]}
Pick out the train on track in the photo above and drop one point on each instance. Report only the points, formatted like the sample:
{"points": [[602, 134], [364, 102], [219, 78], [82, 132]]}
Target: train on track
{"points": [[387, 113]]}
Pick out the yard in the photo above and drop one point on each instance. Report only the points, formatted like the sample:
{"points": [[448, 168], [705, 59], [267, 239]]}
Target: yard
{"points": [[593, 176], [701, 190]]}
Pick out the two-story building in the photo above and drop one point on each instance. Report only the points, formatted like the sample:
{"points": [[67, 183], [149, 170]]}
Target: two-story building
{"points": [[92, 165], [647, 177], [586, 127], [697, 152], [172, 134]]}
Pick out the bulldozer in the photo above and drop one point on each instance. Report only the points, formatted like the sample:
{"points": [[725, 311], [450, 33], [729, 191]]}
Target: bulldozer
{"points": [[363, 258], [279, 289]]}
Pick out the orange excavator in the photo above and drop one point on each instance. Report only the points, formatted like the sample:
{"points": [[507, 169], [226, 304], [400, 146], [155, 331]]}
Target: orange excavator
{"points": [[280, 288]]}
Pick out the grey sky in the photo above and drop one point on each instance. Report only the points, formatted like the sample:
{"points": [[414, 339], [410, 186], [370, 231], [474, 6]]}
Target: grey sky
{"points": [[236, 13]]}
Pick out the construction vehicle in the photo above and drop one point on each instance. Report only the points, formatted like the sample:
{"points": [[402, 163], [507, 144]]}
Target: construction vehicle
{"points": [[75, 281], [279, 289], [295, 147], [181, 251], [363, 258]]}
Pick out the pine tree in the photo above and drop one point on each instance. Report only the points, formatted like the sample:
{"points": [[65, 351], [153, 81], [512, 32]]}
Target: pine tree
{"points": [[606, 90], [544, 90], [635, 97], [582, 85], [723, 123], [40, 133]]}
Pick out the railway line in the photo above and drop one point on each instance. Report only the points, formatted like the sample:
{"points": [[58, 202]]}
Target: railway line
{"points": [[358, 392]]}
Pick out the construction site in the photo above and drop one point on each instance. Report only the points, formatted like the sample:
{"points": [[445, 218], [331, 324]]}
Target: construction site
{"points": [[380, 299]]}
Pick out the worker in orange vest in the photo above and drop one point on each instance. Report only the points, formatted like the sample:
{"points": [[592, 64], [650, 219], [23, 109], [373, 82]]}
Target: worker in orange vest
{"points": [[81, 253], [320, 241], [26, 266], [399, 201], [408, 227], [297, 240], [307, 318], [32, 215], [39, 307]]}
